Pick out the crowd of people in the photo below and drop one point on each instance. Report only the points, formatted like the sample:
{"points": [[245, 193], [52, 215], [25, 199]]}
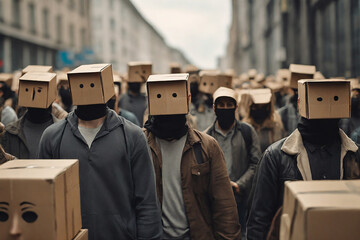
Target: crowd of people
{"points": [[190, 154]]}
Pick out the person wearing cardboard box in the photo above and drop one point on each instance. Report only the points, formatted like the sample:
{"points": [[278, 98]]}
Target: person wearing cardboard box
{"points": [[263, 118], [349, 125], [37, 91], [191, 178], [117, 183], [289, 113], [316, 150], [240, 144], [202, 108], [134, 101]]}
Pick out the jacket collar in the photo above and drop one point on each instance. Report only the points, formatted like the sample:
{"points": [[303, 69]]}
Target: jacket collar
{"points": [[294, 143]]}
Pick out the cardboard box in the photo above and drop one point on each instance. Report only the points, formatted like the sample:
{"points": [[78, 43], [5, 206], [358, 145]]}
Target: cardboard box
{"points": [[321, 210], [91, 84], [175, 68], [6, 78], [37, 68], [82, 235], [260, 96], [139, 71], [62, 79], [322, 99], [212, 80], [283, 75], [298, 72], [37, 89], [42, 197], [168, 94], [252, 74]]}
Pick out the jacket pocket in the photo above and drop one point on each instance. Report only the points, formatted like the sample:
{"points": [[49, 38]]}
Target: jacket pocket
{"points": [[200, 177], [113, 226]]}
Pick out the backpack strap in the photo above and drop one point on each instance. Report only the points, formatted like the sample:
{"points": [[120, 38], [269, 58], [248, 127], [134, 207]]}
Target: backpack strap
{"points": [[57, 146], [246, 133], [198, 154]]}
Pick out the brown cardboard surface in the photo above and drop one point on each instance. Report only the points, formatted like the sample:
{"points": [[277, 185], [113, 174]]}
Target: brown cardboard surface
{"points": [[323, 99], [37, 89], [82, 235], [61, 78], [37, 68], [139, 71], [175, 68], [321, 210], [168, 94], [260, 96], [7, 78], [283, 75], [212, 80], [355, 84], [298, 72], [252, 74], [91, 84], [48, 188]]}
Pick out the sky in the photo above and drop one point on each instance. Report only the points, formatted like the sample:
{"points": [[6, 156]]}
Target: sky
{"points": [[199, 28]]}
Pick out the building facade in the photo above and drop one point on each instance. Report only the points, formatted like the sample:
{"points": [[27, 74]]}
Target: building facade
{"points": [[36, 31], [120, 34], [268, 35]]}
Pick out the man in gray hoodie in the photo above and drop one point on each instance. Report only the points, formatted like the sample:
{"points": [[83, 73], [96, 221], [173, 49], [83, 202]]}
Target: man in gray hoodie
{"points": [[117, 183]]}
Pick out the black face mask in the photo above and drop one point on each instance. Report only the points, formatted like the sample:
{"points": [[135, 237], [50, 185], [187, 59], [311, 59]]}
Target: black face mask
{"points": [[319, 131], [38, 115], [194, 90], [294, 99], [134, 87], [355, 107], [225, 117], [260, 114], [111, 103], [167, 127], [66, 98], [91, 112], [209, 100]]}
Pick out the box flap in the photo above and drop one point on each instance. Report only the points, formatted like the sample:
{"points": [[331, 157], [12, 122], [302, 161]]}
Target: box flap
{"points": [[260, 96], [302, 69], [89, 68], [37, 68], [38, 76], [139, 63], [168, 77]]}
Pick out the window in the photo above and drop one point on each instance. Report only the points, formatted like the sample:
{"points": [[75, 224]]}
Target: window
{"points": [[72, 35], [82, 7], [32, 24], [59, 29], [45, 14], [112, 24], [1, 11], [83, 38], [16, 13], [71, 4]]}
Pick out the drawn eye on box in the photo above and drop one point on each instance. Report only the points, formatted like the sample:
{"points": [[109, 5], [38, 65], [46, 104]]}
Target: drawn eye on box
{"points": [[27, 211]]}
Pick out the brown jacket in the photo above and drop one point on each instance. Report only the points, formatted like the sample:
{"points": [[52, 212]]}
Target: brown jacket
{"points": [[209, 200]]}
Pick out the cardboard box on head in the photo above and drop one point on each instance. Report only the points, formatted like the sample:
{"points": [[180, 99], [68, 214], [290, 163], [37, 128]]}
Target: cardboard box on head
{"points": [[62, 79], [37, 68], [139, 71], [252, 74], [212, 80], [260, 96], [321, 210], [91, 84], [37, 89], [298, 72], [40, 199], [323, 99], [168, 94], [175, 68], [82, 235]]}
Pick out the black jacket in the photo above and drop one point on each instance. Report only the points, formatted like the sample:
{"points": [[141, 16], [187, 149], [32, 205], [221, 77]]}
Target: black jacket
{"points": [[286, 160], [117, 182]]}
